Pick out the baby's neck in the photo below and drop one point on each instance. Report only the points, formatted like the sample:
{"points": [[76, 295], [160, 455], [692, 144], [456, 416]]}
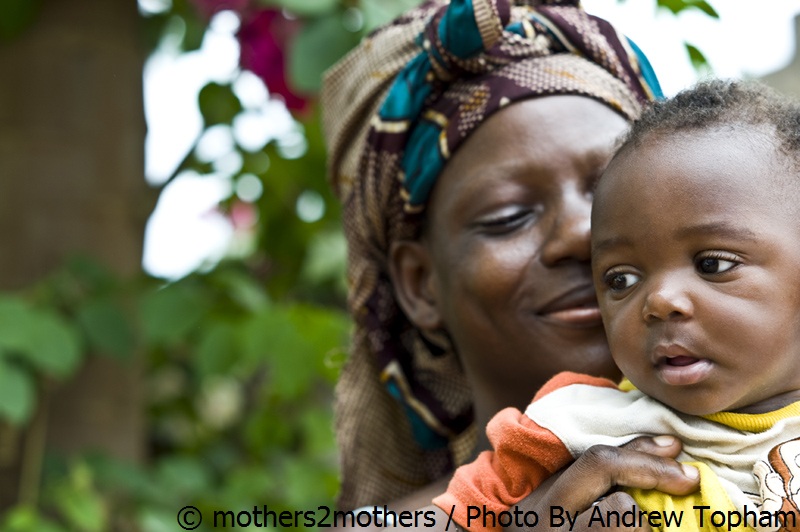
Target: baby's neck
{"points": [[775, 402]]}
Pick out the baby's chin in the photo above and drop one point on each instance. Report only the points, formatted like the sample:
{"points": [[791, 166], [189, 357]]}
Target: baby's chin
{"points": [[691, 400], [700, 402]]}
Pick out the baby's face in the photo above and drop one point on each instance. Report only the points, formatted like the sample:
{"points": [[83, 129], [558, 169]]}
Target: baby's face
{"points": [[696, 260]]}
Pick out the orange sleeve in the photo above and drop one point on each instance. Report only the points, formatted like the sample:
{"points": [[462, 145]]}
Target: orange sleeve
{"points": [[565, 378], [525, 455]]}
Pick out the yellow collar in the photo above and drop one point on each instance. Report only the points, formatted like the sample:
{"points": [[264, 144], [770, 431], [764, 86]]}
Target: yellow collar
{"points": [[748, 422]]}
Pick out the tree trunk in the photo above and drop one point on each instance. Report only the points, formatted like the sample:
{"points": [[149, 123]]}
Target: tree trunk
{"points": [[72, 181]]}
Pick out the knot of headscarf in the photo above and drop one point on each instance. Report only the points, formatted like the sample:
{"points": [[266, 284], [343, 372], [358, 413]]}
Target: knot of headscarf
{"points": [[470, 38]]}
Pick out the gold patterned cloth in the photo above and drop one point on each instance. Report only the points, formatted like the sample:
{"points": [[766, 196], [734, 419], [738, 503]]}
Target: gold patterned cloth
{"points": [[394, 110]]}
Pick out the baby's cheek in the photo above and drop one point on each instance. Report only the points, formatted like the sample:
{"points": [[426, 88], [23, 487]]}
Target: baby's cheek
{"points": [[626, 338]]}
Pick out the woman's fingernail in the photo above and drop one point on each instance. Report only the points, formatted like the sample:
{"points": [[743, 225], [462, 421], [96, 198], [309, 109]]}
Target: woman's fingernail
{"points": [[690, 471], [664, 441]]}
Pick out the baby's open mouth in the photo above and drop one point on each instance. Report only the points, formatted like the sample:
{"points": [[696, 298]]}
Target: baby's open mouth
{"points": [[683, 370], [681, 361]]}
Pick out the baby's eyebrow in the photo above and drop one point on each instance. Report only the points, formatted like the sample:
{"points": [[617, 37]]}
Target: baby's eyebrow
{"points": [[724, 229], [611, 242]]}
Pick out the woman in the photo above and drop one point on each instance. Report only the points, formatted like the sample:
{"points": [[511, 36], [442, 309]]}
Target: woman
{"points": [[465, 160]]}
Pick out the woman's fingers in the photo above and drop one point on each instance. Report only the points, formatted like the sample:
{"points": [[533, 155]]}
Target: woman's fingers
{"points": [[666, 446], [602, 468], [646, 463]]}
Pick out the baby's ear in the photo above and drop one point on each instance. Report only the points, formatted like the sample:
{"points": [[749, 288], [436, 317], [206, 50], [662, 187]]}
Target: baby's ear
{"points": [[411, 272]]}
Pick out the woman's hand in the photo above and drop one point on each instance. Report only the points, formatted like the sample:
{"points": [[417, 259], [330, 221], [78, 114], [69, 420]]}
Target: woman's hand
{"points": [[646, 463]]}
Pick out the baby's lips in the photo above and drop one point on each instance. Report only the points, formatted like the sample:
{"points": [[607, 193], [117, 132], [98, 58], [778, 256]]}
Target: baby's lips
{"points": [[680, 361]]}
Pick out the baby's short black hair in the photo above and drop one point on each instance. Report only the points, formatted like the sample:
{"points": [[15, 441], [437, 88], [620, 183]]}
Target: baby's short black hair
{"points": [[719, 103]]}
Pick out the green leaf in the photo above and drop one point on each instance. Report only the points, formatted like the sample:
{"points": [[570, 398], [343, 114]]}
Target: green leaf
{"points": [[53, 346], [91, 274], [293, 342], [326, 332], [183, 476], [242, 288], [317, 423], [173, 311], [40, 337], [319, 44], [27, 519], [699, 61], [120, 475], [304, 8], [216, 350], [307, 481], [83, 509], [247, 486], [193, 34], [157, 520], [270, 338], [218, 104], [17, 393], [379, 12], [264, 433], [706, 8], [106, 327], [677, 6], [326, 259]]}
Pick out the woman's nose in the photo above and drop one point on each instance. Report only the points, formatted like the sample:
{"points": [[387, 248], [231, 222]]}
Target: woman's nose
{"points": [[568, 238], [667, 300]]}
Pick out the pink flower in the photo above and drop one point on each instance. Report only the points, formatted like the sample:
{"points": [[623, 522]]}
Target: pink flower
{"points": [[263, 37], [243, 215]]}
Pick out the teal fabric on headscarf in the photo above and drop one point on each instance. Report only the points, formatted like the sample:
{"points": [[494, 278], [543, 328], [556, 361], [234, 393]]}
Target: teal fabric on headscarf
{"points": [[455, 44]]}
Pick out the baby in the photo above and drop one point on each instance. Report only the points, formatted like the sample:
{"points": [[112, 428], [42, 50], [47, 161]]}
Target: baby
{"points": [[696, 262]]}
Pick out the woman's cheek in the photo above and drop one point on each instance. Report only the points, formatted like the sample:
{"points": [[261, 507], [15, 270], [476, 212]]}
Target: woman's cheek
{"points": [[497, 271]]}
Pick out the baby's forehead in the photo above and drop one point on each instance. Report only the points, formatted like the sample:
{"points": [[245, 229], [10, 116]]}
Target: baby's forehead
{"points": [[719, 137], [738, 162], [751, 149]]}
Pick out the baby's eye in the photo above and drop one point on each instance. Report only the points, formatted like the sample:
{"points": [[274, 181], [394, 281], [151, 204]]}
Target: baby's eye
{"points": [[710, 265], [618, 281]]}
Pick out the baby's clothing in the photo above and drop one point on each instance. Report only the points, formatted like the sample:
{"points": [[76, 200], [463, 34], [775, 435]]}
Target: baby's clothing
{"points": [[746, 461]]}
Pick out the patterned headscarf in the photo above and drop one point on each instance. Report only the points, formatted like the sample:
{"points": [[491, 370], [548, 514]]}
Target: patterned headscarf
{"points": [[394, 110]]}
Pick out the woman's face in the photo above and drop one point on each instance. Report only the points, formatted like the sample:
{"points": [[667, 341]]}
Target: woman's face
{"points": [[508, 238]]}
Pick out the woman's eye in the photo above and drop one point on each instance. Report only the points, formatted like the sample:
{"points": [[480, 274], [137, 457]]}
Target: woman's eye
{"points": [[617, 282], [506, 222], [714, 265]]}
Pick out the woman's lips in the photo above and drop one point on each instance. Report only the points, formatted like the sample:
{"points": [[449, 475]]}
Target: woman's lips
{"points": [[588, 316], [677, 367], [577, 308]]}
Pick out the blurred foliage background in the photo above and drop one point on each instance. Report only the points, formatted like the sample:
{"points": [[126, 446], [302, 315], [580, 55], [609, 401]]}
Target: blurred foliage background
{"points": [[232, 367]]}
